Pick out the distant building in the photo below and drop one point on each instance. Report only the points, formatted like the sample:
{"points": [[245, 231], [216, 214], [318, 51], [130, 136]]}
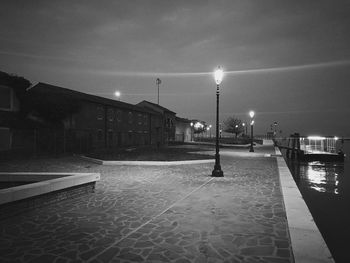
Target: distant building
{"points": [[183, 130]]}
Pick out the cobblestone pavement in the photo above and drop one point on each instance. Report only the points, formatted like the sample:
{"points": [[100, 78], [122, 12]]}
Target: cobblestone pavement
{"points": [[156, 214]]}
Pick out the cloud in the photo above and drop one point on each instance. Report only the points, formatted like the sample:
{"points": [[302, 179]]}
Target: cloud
{"points": [[228, 72], [34, 56]]}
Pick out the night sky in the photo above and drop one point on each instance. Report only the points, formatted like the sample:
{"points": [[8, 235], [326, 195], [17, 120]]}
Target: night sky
{"points": [[287, 60]]}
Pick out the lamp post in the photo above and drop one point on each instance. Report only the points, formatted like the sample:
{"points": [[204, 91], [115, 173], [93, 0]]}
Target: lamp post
{"points": [[251, 114], [218, 75], [158, 81], [244, 129], [275, 131]]}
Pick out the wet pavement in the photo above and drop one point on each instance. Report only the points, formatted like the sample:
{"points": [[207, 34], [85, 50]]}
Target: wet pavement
{"points": [[157, 214]]}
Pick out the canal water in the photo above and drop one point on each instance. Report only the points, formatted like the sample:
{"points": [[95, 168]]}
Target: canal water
{"points": [[325, 188]]}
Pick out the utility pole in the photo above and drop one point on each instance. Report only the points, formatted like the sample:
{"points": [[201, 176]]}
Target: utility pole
{"points": [[158, 82]]}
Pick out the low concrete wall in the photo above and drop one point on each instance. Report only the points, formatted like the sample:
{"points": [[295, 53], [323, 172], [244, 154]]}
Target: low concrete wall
{"points": [[156, 163], [307, 242], [20, 206], [49, 182]]}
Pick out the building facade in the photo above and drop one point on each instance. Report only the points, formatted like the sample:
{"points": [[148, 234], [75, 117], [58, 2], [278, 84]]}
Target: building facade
{"points": [[90, 122], [183, 130], [167, 128], [51, 119], [9, 108]]}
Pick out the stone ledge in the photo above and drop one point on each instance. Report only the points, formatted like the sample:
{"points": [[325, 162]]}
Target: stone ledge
{"points": [[44, 185], [23, 205], [156, 163], [307, 242]]}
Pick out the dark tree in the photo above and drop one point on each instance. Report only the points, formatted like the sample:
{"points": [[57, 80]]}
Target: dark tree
{"points": [[233, 125], [19, 84], [46, 107]]}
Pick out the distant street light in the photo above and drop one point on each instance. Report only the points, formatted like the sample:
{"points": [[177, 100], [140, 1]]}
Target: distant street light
{"points": [[191, 131], [244, 127], [217, 172], [158, 82], [275, 124], [117, 94], [251, 114]]}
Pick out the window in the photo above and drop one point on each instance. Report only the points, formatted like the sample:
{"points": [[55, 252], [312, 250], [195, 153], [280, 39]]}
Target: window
{"points": [[110, 138], [110, 114], [139, 119], [130, 117], [99, 135], [5, 98], [119, 115], [145, 120], [100, 112], [5, 138]]}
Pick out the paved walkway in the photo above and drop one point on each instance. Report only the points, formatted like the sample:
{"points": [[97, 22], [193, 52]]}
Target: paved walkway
{"points": [[157, 214]]}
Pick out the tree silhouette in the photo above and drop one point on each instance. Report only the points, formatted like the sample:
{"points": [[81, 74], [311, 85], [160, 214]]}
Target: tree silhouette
{"points": [[233, 125]]}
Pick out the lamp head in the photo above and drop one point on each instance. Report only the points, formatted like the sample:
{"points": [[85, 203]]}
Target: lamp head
{"points": [[218, 75], [251, 114], [117, 94]]}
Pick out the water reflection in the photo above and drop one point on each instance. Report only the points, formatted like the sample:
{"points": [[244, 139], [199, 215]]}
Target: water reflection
{"points": [[319, 176], [325, 188]]}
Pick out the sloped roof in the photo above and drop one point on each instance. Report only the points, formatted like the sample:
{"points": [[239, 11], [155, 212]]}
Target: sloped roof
{"points": [[182, 119], [48, 89], [157, 106]]}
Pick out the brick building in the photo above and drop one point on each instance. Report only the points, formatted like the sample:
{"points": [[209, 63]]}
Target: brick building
{"points": [[92, 122], [44, 118], [167, 130]]}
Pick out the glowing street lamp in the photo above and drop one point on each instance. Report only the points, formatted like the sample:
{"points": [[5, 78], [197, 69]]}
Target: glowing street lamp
{"points": [[117, 94], [218, 75], [251, 114]]}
